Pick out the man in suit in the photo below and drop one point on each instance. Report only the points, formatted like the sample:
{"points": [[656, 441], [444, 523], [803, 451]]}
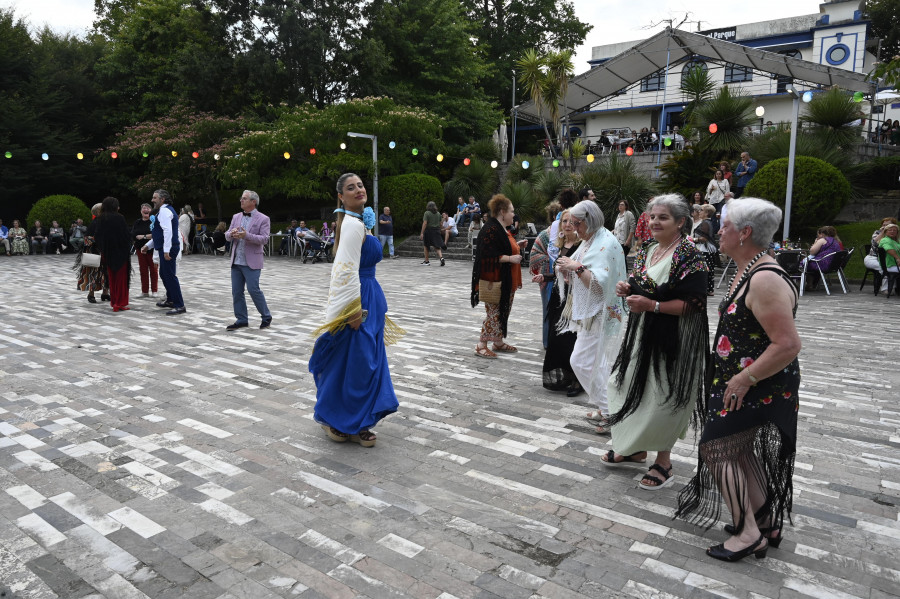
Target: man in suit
{"points": [[165, 240], [248, 234]]}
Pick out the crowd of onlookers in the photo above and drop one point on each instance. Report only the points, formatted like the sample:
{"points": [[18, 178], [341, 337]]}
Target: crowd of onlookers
{"points": [[39, 238]]}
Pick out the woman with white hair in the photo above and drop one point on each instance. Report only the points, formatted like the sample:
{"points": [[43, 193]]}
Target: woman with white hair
{"points": [[750, 418], [658, 375], [592, 309]]}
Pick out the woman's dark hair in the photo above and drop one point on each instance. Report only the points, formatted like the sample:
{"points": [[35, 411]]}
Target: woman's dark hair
{"points": [[627, 206], [567, 198], [341, 182], [110, 205], [431, 207], [498, 204]]}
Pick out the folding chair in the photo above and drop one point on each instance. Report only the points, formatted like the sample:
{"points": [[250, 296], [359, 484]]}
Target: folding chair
{"points": [[837, 267], [891, 276], [791, 262], [876, 274]]}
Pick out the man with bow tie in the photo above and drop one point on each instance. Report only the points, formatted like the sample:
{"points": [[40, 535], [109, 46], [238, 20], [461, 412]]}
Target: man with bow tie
{"points": [[248, 234]]}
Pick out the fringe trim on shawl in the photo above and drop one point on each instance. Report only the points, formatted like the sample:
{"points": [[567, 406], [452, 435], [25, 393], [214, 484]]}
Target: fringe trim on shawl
{"points": [[338, 323], [762, 457], [392, 331]]}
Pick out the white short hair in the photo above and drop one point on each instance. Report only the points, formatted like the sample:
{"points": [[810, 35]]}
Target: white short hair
{"points": [[588, 212], [762, 216], [253, 195]]}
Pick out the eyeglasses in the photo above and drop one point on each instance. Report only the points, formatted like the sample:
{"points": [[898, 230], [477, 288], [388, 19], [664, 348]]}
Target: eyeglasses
{"points": [[575, 222]]}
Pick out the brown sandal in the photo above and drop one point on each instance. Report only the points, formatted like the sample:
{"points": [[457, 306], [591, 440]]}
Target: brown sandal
{"points": [[364, 438], [484, 352], [505, 348], [334, 434]]}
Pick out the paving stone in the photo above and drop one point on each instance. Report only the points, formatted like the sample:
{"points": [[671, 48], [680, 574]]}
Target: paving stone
{"points": [[481, 485]]}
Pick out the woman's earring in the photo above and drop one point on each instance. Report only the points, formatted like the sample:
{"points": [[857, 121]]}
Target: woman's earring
{"points": [[742, 243]]}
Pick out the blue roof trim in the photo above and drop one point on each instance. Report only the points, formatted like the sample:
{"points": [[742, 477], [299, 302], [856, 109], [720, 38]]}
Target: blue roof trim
{"points": [[668, 105], [804, 37]]}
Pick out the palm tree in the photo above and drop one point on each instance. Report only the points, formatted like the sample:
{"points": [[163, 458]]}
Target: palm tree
{"points": [[732, 114], [697, 85], [830, 116], [532, 74], [559, 70]]}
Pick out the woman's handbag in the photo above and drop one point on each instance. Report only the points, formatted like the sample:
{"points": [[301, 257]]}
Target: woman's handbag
{"points": [[489, 291], [90, 260]]}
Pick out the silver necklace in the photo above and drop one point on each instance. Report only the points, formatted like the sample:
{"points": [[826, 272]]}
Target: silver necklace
{"points": [[657, 256], [743, 275]]}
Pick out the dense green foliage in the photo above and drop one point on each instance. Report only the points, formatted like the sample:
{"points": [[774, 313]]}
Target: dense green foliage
{"points": [[881, 173], [689, 170], [885, 24], [732, 113], [614, 178], [820, 190], [61, 208], [828, 116], [407, 196], [477, 179]]}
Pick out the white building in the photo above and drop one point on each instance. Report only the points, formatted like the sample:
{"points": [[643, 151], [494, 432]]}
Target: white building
{"points": [[838, 36]]}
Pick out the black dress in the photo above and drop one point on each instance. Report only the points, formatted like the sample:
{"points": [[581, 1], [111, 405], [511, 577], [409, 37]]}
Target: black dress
{"points": [[761, 437], [558, 375]]}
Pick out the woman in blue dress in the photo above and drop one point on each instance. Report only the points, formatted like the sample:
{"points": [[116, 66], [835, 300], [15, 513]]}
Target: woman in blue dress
{"points": [[349, 360]]}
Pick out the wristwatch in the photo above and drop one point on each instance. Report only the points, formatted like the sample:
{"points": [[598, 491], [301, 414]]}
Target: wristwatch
{"points": [[656, 308]]}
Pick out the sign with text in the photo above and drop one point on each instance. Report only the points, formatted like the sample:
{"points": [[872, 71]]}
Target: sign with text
{"points": [[728, 34]]}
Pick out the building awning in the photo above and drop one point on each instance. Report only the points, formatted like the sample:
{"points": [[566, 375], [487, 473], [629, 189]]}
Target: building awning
{"points": [[673, 45]]}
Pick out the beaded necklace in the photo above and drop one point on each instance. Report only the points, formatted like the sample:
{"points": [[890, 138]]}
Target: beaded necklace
{"points": [[657, 255], [743, 275]]}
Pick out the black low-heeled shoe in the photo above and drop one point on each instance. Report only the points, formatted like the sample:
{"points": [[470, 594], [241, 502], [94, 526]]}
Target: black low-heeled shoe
{"points": [[774, 542], [719, 552], [105, 298], [92, 299]]}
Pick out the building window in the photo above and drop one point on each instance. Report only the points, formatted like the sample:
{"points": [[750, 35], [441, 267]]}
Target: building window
{"points": [[837, 54], [691, 65], [784, 80], [654, 82], [735, 73]]}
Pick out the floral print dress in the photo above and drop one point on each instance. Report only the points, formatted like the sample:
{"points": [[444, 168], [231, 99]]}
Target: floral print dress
{"points": [[761, 437]]}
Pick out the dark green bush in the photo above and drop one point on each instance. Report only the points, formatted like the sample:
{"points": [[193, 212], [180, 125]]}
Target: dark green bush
{"points": [[407, 196], [61, 208], [881, 173], [688, 171], [820, 190]]}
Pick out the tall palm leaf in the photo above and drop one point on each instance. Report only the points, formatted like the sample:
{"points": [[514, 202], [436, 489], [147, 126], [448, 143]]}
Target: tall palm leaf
{"points": [[559, 70], [517, 172], [477, 179], [829, 116], [613, 178], [697, 85], [523, 198], [532, 73], [732, 113]]}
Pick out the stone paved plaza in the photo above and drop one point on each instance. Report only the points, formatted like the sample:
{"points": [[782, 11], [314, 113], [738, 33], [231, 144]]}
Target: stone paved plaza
{"points": [[196, 470]]}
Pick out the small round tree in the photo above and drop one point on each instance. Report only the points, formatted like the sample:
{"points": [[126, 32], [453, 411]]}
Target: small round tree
{"points": [[820, 190], [62, 208], [407, 196]]}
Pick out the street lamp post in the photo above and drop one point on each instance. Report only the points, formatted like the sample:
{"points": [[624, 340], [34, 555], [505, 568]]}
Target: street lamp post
{"points": [[512, 146], [374, 139], [795, 114]]}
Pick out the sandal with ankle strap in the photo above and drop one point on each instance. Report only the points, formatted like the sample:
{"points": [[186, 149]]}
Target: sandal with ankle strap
{"points": [[334, 434], [658, 484], [484, 352], [364, 438], [505, 348]]}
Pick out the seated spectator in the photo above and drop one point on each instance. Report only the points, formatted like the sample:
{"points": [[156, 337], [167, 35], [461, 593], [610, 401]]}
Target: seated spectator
{"points": [[326, 233], [57, 243], [285, 241], [469, 212], [891, 244], [220, 243], [871, 260], [76, 235], [19, 239], [460, 206], [39, 236], [4, 238], [448, 228], [823, 249]]}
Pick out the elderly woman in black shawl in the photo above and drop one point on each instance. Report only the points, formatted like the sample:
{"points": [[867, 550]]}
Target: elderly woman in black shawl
{"points": [[114, 240], [658, 376], [496, 275]]}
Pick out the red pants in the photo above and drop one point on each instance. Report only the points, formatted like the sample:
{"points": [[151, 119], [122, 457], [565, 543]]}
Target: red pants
{"points": [[118, 287], [149, 271]]}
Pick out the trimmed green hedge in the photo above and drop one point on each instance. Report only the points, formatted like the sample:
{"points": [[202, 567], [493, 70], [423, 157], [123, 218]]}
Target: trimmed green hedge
{"points": [[407, 196], [61, 208], [820, 190]]}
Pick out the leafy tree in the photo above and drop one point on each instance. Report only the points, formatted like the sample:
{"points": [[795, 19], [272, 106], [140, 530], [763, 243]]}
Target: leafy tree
{"points": [[169, 143], [256, 159], [613, 178], [532, 68], [475, 179], [518, 172], [505, 27], [689, 170], [885, 23], [163, 53], [432, 62], [407, 196], [61, 208], [698, 86]]}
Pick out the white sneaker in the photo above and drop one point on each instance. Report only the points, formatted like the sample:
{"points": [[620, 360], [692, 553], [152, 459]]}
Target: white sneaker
{"points": [[426, 263]]}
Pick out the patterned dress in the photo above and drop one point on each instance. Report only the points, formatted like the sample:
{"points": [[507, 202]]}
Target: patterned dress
{"points": [[761, 437]]}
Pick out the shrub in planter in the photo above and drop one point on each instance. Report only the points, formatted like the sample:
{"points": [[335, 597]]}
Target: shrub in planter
{"points": [[820, 190], [407, 196], [61, 208]]}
